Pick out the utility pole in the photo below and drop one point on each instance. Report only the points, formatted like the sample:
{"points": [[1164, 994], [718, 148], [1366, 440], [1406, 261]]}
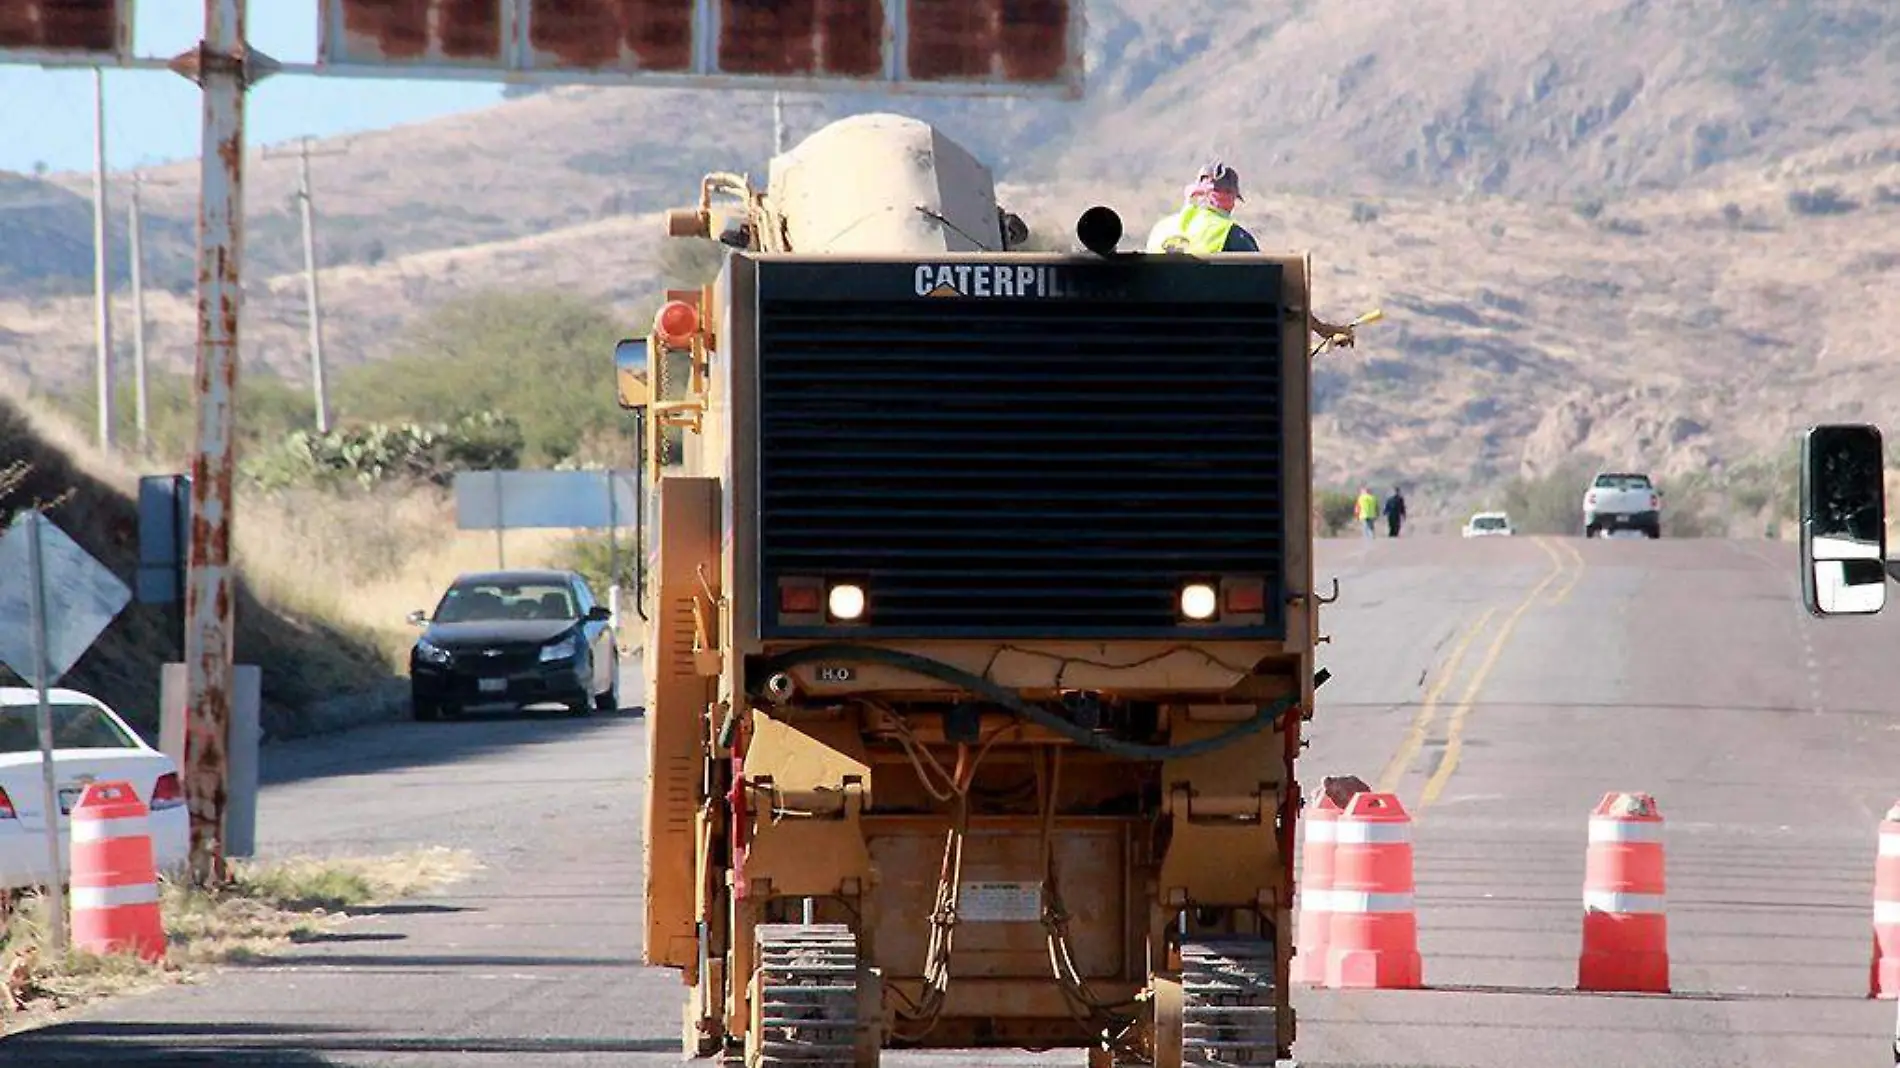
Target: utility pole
{"points": [[136, 226], [313, 304], [101, 276]]}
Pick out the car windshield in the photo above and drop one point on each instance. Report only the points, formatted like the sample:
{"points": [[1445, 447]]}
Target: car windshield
{"points": [[1623, 482], [75, 726], [1488, 522], [482, 602]]}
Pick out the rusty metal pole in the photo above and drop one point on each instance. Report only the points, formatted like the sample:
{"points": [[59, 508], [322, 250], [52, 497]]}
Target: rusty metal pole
{"points": [[220, 71]]}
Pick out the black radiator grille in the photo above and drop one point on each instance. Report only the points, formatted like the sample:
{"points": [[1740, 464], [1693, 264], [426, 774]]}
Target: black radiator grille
{"points": [[995, 468]]}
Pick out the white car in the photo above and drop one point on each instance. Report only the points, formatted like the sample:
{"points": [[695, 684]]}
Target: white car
{"points": [[90, 744], [1489, 525]]}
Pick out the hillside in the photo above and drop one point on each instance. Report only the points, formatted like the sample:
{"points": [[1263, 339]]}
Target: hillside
{"points": [[1598, 227], [1539, 99], [315, 674]]}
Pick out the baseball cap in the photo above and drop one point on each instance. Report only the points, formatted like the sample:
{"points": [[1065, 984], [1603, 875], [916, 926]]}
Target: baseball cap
{"points": [[1222, 178]]}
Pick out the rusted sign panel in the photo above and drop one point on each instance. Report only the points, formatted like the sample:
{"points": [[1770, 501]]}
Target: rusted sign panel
{"points": [[887, 44], [1014, 41], [803, 38], [87, 27], [447, 33], [635, 35]]}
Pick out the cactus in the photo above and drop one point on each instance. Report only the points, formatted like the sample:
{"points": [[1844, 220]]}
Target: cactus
{"points": [[376, 453]]}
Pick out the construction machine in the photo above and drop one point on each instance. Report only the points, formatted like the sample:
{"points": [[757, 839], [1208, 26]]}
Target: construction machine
{"points": [[980, 623]]}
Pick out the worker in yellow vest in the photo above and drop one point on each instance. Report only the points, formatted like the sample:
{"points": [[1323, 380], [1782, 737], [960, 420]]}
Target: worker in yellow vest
{"points": [[1368, 510], [1205, 225]]}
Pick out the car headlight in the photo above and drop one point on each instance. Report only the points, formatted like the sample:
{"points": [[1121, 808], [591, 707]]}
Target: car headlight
{"points": [[431, 653], [561, 650]]}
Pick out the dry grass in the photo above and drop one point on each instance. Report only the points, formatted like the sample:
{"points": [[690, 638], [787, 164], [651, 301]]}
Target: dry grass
{"points": [[366, 560], [267, 905]]}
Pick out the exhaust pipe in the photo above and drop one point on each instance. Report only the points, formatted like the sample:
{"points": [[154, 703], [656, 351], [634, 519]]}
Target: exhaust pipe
{"points": [[1099, 230]]}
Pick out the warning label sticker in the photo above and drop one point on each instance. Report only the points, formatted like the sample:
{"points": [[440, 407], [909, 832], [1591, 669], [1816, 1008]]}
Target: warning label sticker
{"points": [[988, 902]]}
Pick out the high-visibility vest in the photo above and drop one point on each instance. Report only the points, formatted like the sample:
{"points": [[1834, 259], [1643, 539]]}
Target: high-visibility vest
{"points": [[1193, 229], [1368, 506]]}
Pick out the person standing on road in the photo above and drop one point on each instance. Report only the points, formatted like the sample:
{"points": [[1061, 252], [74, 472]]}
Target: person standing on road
{"points": [[1368, 510], [1394, 512]]}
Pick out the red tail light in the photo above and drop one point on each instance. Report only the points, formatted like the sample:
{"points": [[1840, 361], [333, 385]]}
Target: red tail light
{"points": [[6, 806], [1590, 497], [1655, 501], [801, 600], [1245, 597], [167, 793]]}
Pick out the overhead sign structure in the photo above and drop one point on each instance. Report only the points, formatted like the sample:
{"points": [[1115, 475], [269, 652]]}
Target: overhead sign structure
{"points": [[31, 30], [1014, 47]]}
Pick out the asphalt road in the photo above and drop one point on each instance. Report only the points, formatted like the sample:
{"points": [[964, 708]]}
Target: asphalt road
{"points": [[1501, 686]]}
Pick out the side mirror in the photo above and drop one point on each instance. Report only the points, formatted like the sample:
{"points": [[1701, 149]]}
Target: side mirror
{"points": [[1843, 520], [600, 613], [418, 618], [630, 373]]}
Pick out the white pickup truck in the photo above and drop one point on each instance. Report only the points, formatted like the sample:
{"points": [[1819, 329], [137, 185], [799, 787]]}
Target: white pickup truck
{"points": [[1618, 501]]}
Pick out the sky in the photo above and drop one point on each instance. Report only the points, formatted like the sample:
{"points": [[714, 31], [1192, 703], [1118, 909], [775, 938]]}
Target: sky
{"points": [[46, 116]]}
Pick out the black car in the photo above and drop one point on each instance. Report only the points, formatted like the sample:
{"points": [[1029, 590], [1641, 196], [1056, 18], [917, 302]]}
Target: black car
{"points": [[512, 640]]}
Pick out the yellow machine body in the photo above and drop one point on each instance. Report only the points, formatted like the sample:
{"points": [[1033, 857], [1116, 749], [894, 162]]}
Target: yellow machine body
{"points": [[937, 825]]}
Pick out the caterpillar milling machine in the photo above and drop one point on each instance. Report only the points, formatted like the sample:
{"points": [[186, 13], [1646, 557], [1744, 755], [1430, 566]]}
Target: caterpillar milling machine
{"points": [[979, 623]]}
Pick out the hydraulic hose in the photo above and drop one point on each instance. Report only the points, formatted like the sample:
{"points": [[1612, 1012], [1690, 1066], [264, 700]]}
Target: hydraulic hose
{"points": [[1267, 716]]}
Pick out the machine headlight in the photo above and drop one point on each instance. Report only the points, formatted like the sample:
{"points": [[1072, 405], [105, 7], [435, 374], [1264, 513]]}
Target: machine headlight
{"points": [[846, 601], [430, 653], [1199, 601], [561, 650]]}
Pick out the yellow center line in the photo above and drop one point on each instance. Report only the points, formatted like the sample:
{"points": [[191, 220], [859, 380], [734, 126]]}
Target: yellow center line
{"points": [[1575, 576], [1454, 729], [1415, 737]]}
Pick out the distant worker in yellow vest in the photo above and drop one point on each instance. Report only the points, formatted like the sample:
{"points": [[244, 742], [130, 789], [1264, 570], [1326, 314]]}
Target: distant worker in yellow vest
{"points": [[1205, 225], [1368, 509]]}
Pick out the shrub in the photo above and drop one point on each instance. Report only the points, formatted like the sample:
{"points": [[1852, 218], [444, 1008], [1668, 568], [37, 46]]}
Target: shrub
{"points": [[1336, 509], [544, 361], [1551, 503], [1822, 200], [376, 453]]}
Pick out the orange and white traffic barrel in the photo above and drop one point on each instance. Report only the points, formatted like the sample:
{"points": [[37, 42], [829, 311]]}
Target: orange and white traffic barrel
{"points": [[1316, 888], [1373, 933], [1884, 982], [1625, 927], [114, 874]]}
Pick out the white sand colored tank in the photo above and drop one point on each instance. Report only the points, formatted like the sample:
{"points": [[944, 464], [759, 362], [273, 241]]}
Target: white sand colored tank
{"points": [[884, 184]]}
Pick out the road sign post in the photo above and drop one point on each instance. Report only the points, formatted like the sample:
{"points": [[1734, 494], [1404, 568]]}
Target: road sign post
{"points": [[44, 629], [49, 781]]}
